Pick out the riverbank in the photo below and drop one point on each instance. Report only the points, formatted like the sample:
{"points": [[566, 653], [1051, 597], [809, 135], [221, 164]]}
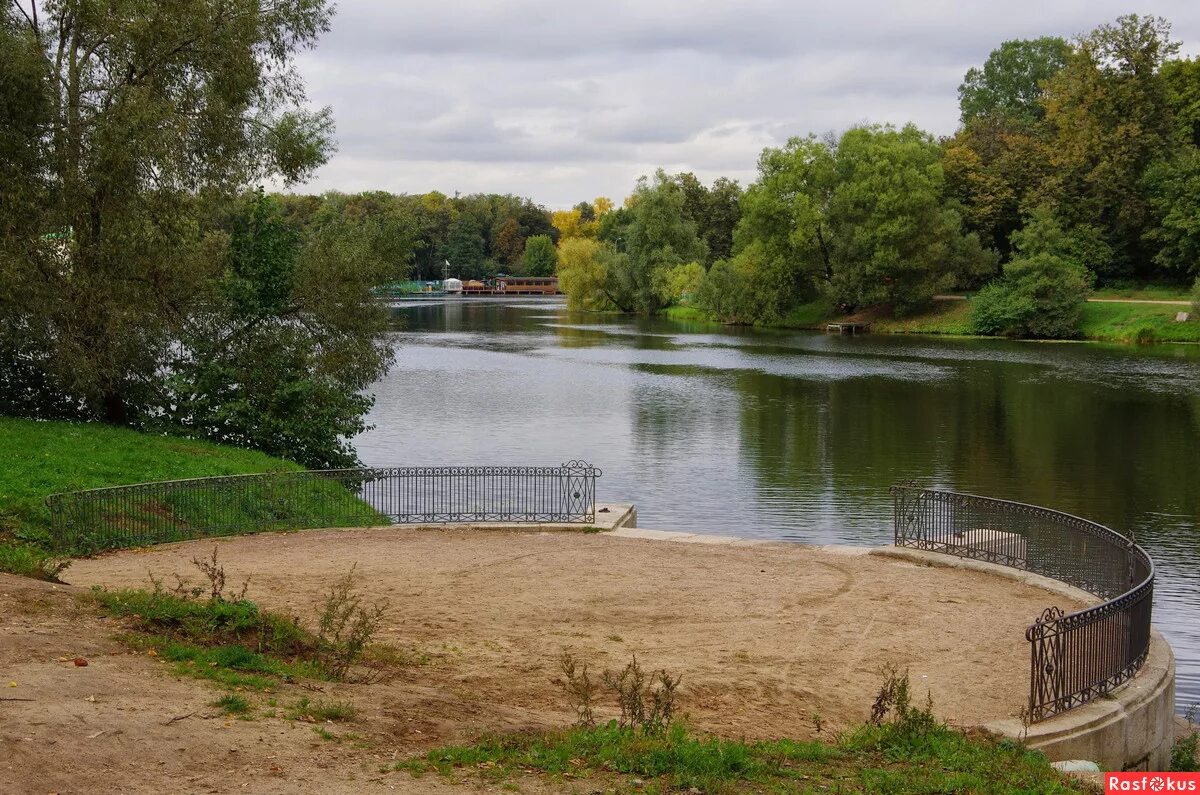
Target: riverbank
{"points": [[41, 458], [1103, 319], [771, 640]]}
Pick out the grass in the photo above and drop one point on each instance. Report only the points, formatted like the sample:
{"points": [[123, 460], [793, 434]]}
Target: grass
{"points": [[322, 711], [41, 458], [871, 759], [942, 317], [1145, 292], [813, 314], [685, 312], [1137, 323], [233, 704]]}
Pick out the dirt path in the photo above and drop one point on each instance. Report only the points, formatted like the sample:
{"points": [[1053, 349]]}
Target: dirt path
{"points": [[764, 636]]}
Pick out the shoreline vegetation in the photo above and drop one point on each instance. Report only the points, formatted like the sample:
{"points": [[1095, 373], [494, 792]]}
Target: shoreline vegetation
{"points": [[1134, 316]]}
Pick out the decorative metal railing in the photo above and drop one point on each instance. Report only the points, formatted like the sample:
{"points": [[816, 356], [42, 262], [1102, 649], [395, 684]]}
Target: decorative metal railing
{"points": [[1074, 657], [152, 513]]}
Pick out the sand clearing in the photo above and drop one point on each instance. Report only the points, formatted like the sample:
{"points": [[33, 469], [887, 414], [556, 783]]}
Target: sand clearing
{"points": [[764, 636]]}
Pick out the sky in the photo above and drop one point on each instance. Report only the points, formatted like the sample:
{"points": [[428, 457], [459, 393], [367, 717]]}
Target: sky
{"points": [[563, 102]]}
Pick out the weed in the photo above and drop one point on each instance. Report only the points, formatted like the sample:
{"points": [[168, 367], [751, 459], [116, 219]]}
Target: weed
{"points": [[322, 711], [233, 704], [346, 626], [650, 707], [1183, 752], [580, 687], [214, 572], [817, 721], [325, 734]]}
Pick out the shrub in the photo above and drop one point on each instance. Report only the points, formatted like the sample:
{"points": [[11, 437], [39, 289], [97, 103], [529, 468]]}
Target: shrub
{"points": [[1196, 296], [1038, 296]]}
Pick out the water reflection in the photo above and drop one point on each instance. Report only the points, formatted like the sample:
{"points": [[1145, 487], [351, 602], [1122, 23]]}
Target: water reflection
{"points": [[795, 435]]}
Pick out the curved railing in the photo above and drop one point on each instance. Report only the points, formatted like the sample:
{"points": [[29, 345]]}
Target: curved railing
{"points": [[1074, 657], [176, 510]]}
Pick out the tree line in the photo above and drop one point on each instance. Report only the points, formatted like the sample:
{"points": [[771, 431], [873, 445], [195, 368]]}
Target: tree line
{"points": [[1075, 164]]}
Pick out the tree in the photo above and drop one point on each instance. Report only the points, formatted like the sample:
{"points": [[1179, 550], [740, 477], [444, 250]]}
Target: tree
{"points": [[786, 220], [570, 223], [587, 213], [1110, 120], [1042, 290], [582, 274], [146, 115], [657, 237], [1181, 84], [510, 246], [1011, 82], [1174, 194], [278, 355], [540, 258], [992, 166], [464, 248]]}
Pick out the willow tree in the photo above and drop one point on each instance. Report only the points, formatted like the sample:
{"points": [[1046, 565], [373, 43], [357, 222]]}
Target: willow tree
{"points": [[138, 117]]}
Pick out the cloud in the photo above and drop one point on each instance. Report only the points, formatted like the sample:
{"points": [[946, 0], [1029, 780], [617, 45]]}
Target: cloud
{"points": [[566, 102]]}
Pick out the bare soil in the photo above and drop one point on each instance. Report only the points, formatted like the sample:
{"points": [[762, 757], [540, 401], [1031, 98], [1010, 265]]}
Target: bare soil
{"points": [[764, 636]]}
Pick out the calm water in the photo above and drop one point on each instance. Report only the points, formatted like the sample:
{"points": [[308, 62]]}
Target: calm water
{"points": [[797, 436]]}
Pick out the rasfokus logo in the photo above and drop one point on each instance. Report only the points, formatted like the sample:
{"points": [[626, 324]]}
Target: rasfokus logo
{"points": [[1151, 782]]}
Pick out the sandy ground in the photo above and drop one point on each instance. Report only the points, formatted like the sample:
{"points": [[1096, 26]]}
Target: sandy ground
{"points": [[764, 637]]}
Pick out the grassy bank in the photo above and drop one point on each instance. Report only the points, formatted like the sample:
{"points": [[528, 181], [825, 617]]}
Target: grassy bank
{"points": [[41, 458], [890, 758]]}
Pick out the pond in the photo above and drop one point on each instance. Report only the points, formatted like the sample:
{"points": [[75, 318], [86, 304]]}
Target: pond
{"points": [[798, 435]]}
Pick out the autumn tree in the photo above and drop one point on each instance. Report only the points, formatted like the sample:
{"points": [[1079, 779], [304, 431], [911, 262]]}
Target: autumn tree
{"points": [[1110, 119], [510, 245]]}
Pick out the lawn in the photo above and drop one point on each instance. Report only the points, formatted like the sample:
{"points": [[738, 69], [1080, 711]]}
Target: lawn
{"points": [[1137, 323], [38, 459]]}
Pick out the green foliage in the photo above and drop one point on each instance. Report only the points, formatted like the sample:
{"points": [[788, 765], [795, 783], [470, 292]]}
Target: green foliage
{"points": [[253, 375], [540, 257], [159, 112], [464, 249], [1196, 296], [1042, 291], [652, 237], [1184, 751], [894, 238], [1010, 83], [1109, 120], [346, 626], [1174, 194]]}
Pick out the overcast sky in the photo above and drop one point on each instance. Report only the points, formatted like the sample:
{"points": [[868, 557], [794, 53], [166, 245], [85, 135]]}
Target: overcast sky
{"points": [[567, 101]]}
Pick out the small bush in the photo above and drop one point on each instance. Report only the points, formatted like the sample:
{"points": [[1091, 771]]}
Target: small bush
{"points": [[29, 561], [1183, 753], [580, 687], [346, 626]]}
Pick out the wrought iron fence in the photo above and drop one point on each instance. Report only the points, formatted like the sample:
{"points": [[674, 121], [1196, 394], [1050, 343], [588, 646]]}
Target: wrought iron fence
{"points": [[152, 513], [1074, 657]]}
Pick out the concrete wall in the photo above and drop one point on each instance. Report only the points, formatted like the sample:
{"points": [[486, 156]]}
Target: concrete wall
{"points": [[1130, 729]]}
